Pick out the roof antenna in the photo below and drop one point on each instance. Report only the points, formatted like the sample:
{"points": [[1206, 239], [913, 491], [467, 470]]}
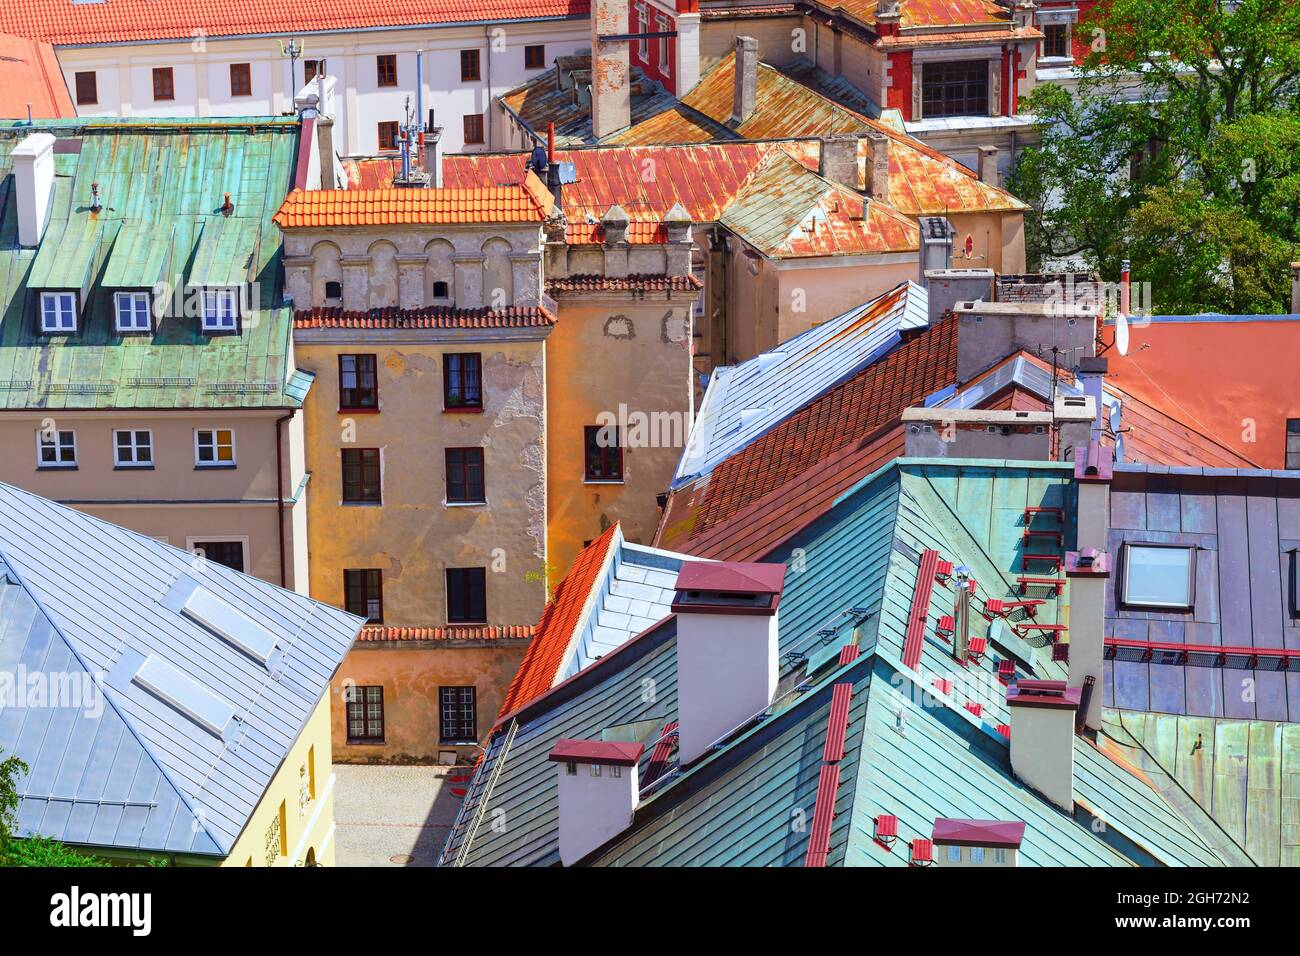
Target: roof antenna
{"points": [[95, 204]]}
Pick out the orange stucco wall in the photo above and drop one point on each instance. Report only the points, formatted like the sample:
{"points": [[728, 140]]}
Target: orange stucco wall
{"points": [[411, 675], [1235, 381]]}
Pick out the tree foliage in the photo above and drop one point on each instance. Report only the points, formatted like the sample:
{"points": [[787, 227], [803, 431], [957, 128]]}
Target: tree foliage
{"points": [[1179, 151], [35, 851]]}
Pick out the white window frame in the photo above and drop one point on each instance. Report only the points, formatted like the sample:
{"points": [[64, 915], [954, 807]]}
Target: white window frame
{"points": [[216, 445], [999, 854], [62, 306], [661, 26], [643, 26], [954, 854], [58, 447], [135, 300], [134, 461], [214, 297], [977, 854], [1127, 601]]}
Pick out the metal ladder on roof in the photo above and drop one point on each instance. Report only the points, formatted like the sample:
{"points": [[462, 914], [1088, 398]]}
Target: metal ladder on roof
{"points": [[468, 841]]}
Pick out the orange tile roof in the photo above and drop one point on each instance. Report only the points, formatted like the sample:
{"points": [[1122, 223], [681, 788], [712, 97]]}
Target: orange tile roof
{"points": [[116, 21], [638, 233], [924, 13], [431, 317], [554, 631], [846, 415], [599, 283], [30, 76], [391, 207], [373, 633]]}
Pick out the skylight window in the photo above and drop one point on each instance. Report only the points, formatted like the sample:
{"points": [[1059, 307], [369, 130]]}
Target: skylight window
{"points": [[1158, 576], [185, 694], [220, 618]]}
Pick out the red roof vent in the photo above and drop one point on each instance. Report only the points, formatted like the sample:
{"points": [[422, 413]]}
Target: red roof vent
{"points": [[1005, 730], [608, 752], [943, 685], [922, 853], [975, 708], [886, 830], [1003, 833], [736, 587]]}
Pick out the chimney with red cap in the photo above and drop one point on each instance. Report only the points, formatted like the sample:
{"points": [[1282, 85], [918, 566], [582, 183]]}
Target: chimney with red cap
{"points": [[598, 792], [726, 649], [1042, 737]]}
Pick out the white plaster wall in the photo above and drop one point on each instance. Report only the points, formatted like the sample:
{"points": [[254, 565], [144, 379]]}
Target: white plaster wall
{"points": [[1042, 751], [593, 809]]}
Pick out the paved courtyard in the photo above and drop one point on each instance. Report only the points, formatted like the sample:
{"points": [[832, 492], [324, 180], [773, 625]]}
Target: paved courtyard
{"points": [[393, 816]]}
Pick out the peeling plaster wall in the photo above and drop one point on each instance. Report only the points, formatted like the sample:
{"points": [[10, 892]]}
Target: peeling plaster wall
{"points": [[410, 674], [603, 352], [413, 536]]}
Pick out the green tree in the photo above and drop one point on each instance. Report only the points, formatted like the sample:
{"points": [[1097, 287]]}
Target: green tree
{"points": [[1180, 151], [35, 851]]}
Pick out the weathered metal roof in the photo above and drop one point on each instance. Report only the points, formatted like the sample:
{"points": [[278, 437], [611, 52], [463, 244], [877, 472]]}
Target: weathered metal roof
{"points": [[119, 614], [744, 401], [160, 183]]}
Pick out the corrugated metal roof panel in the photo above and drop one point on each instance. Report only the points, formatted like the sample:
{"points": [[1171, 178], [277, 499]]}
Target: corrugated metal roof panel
{"points": [[135, 773]]}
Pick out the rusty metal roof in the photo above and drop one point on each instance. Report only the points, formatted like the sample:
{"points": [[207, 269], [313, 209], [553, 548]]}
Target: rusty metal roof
{"points": [[925, 13]]}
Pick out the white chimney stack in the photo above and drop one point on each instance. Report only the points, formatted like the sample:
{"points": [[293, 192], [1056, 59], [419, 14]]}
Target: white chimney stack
{"points": [[1042, 737], [961, 843], [726, 649], [598, 793], [33, 164]]}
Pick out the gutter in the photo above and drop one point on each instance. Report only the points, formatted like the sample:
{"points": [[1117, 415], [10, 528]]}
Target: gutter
{"points": [[279, 492]]}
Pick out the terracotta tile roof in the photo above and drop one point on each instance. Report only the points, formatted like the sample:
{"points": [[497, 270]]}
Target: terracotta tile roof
{"points": [[846, 415], [597, 283], [638, 233], [372, 633], [528, 201], [957, 38], [924, 13], [114, 21], [554, 631], [30, 76], [432, 317]]}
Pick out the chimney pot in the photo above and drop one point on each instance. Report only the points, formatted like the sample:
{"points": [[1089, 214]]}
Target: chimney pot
{"points": [[878, 167], [745, 86], [727, 657]]}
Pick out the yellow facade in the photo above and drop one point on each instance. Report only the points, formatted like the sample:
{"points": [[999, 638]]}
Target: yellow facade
{"points": [[293, 824]]}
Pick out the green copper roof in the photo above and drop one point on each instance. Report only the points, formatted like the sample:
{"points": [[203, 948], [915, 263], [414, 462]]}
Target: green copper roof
{"points": [[160, 185]]}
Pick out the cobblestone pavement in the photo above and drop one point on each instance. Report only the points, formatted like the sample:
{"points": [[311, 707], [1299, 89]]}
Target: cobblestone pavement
{"points": [[393, 816]]}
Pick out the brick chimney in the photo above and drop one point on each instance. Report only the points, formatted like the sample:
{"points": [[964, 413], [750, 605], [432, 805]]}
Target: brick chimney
{"points": [[989, 166], [611, 105], [988, 332], [1042, 737], [745, 90], [598, 791], [727, 657], [33, 165], [838, 159], [878, 166]]}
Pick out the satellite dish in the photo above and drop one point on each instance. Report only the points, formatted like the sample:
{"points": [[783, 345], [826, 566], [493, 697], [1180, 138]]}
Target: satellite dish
{"points": [[1121, 333]]}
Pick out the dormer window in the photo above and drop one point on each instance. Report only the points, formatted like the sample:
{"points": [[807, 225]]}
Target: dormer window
{"points": [[132, 311], [220, 310], [58, 313]]}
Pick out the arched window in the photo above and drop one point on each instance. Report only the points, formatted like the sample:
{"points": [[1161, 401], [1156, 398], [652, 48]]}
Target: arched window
{"points": [[383, 275], [326, 274], [438, 273]]}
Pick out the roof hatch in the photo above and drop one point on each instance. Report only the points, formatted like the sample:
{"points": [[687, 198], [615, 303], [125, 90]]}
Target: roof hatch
{"points": [[185, 694]]}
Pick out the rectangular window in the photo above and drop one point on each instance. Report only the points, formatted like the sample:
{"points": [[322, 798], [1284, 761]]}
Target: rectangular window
{"points": [[56, 449], [458, 717], [132, 311], [467, 595], [1056, 39], [665, 66], [955, 89], [604, 454], [163, 87], [465, 475], [361, 476], [386, 69], [311, 69], [58, 312], [1293, 444], [469, 72], [214, 448], [358, 382], [954, 854], [1158, 576], [229, 554], [241, 79], [363, 593], [462, 380], [366, 715], [220, 310], [133, 449], [388, 133], [977, 854], [999, 855], [643, 26], [87, 89], [535, 57], [474, 128]]}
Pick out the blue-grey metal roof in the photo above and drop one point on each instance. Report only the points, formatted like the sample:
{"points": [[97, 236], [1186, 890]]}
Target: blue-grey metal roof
{"points": [[183, 724], [744, 401]]}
